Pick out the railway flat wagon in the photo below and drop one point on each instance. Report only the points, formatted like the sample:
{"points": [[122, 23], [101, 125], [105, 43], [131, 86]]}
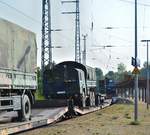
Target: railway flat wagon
{"points": [[18, 56]]}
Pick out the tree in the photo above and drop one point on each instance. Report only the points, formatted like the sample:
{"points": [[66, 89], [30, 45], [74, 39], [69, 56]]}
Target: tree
{"points": [[121, 68], [99, 74], [143, 71], [39, 80], [110, 75], [145, 64], [120, 75]]}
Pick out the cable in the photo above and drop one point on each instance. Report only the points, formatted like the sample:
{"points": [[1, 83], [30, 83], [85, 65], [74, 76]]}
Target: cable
{"points": [[120, 27], [29, 17], [20, 12], [141, 4], [97, 58]]}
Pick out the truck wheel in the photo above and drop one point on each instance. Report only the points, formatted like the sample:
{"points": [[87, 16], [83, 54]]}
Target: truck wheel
{"points": [[25, 113]]}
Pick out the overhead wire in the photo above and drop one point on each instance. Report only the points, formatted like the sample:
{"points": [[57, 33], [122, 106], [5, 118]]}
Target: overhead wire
{"points": [[139, 3], [97, 58], [20, 12], [31, 18], [68, 38], [119, 38]]}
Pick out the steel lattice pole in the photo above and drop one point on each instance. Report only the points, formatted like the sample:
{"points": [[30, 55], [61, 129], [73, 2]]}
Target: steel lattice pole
{"points": [[46, 52], [77, 34]]}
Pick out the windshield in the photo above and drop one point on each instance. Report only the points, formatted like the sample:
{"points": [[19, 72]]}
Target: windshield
{"points": [[59, 74]]}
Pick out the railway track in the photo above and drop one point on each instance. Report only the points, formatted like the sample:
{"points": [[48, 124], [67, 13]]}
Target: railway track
{"points": [[40, 117]]}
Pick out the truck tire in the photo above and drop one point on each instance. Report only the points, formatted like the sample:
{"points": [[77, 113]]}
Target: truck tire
{"points": [[25, 113]]}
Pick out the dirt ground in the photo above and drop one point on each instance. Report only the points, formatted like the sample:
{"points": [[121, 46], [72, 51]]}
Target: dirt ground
{"points": [[114, 120]]}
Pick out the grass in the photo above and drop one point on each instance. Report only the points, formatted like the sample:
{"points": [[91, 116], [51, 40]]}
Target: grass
{"points": [[134, 123], [114, 120], [39, 96], [114, 117], [99, 113], [127, 116]]}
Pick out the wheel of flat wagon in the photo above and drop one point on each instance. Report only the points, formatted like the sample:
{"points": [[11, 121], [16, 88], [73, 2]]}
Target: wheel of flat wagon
{"points": [[25, 113]]}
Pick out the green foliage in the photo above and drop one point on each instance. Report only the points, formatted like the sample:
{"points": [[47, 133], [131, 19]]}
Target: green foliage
{"points": [[121, 68], [134, 123], [145, 64], [39, 96], [110, 75], [39, 80], [143, 71], [120, 75], [99, 74], [121, 72], [127, 116]]}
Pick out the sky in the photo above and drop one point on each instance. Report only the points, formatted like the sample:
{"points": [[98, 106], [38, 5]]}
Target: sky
{"points": [[117, 14]]}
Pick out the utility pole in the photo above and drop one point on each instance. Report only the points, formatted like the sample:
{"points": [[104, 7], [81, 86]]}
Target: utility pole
{"points": [[136, 67], [84, 50], [77, 29], [46, 48], [147, 91]]}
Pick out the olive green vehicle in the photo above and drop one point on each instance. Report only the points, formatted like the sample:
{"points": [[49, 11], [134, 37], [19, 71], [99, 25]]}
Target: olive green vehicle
{"points": [[18, 56]]}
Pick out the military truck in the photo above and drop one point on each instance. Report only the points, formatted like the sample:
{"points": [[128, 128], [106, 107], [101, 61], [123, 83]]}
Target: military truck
{"points": [[18, 56]]}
